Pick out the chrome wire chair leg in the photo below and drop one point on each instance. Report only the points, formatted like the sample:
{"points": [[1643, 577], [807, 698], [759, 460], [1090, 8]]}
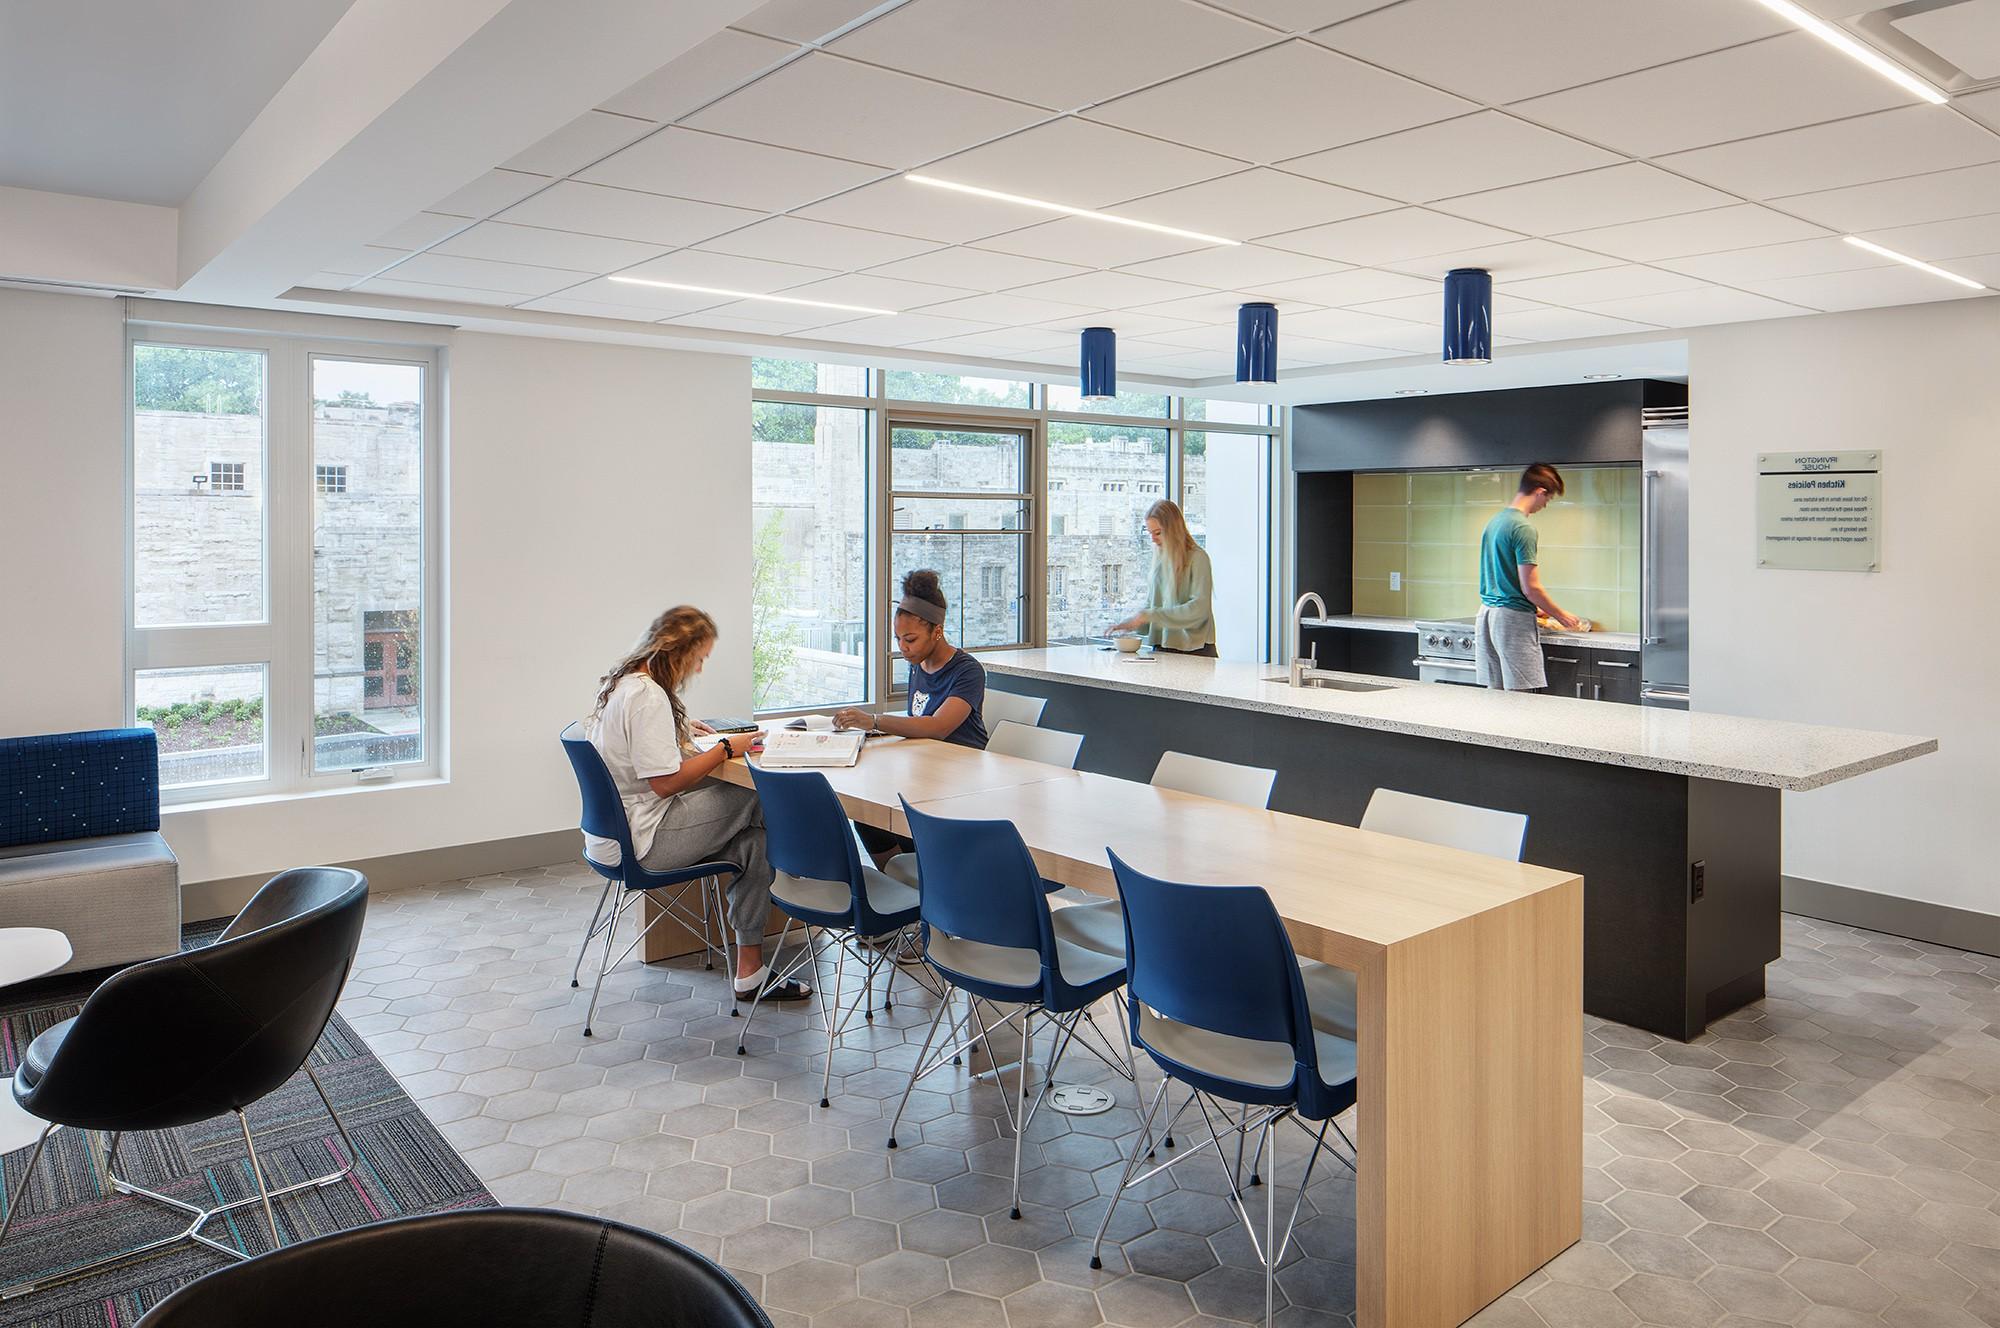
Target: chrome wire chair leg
{"points": [[917, 1070], [590, 933], [777, 976], [833, 1023], [117, 1136], [257, 1172], [1125, 1177], [16, 1201], [1271, 1250], [1021, 1108], [604, 966]]}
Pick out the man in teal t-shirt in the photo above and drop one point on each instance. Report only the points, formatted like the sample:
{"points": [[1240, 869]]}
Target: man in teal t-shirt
{"points": [[1509, 648]]}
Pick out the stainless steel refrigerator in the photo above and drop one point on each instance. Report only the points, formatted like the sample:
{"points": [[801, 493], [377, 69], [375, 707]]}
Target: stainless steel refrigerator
{"points": [[1663, 587]]}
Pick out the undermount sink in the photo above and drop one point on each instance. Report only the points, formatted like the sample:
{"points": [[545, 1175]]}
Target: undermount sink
{"points": [[1330, 684]]}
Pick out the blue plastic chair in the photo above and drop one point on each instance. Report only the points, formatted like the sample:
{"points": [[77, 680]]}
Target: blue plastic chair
{"points": [[842, 902], [988, 931], [604, 816], [1216, 999]]}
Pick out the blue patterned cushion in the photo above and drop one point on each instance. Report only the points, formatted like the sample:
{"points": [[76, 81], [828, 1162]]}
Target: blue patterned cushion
{"points": [[74, 785]]}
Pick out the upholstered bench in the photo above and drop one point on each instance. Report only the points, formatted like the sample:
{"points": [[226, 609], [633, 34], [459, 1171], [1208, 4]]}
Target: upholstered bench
{"points": [[80, 845]]}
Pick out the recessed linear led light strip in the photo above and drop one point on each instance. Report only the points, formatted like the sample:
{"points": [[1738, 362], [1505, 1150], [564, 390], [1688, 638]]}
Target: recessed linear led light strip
{"points": [[1855, 49], [752, 295], [1917, 263], [1065, 209]]}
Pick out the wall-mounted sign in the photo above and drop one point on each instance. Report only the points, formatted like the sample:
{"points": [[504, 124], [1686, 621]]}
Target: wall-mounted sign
{"points": [[1819, 511]]}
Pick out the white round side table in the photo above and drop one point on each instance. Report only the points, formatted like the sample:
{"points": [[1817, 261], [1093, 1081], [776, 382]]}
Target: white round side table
{"points": [[25, 952]]}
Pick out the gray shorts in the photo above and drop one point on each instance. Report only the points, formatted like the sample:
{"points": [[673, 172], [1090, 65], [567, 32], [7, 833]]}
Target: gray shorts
{"points": [[1507, 647]]}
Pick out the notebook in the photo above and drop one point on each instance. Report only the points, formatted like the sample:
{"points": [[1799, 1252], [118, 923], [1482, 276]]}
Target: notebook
{"points": [[793, 749]]}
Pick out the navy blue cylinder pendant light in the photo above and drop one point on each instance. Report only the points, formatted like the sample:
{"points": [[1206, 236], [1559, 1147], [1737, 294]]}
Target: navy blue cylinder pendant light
{"points": [[1099, 369], [1257, 343], [1468, 316]]}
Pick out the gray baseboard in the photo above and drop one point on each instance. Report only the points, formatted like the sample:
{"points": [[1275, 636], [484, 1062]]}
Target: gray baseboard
{"points": [[1938, 924], [400, 871]]}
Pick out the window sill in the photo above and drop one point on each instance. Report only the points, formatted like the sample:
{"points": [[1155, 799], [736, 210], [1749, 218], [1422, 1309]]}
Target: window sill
{"points": [[300, 795]]}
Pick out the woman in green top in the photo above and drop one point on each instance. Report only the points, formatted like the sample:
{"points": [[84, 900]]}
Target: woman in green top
{"points": [[1179, 615]]}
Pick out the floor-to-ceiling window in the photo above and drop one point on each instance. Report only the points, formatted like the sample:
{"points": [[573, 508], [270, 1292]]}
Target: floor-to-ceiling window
{"points": [[1028, 501]]}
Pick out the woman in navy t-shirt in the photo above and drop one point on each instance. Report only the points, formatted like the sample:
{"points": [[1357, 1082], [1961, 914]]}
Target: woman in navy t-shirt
{"points": [[947, 689]]}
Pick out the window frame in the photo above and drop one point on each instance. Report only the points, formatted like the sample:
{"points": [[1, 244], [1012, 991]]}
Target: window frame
{"points": [[1036, 417], [282, 642]]}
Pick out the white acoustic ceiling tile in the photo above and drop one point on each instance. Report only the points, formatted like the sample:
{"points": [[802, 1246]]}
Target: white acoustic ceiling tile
{"points": [[1080, 163], [1365, 329], [1129, 322], [422, 290], [822, 244], [1429, 307], [1983, 268], [1218, 309], [564, 304], [1941, 196], [975, 269], [1625, 282], [694, 267], [443, 270], [364, 259], [649, 302], [509, 243], [1318, 350], [1738, 226], [1487, 150], [421, 231], [1783, 82], [901, 208], [824, 104], [626, 214], [1498, 51], [760, 316], [1053, 53], [1299, 15], [710, 321], [489, 193], [1354, 286], [1281, 102], [1701, 307], [1937, 241], [803, 20], [583, 140], [900, 329], [1088, 243], [1775, 262], [1981, 106], [1252, 203], [1111, 290], [1238, 267], [1386, 236], [1212, 335], [1607, 196], [1510, 260], [877, 292], [699, 76], [729, 171], [1886, 145], [330, 281], [1003, 341], [1007, 310], [1869, 288], [1549, 324]]}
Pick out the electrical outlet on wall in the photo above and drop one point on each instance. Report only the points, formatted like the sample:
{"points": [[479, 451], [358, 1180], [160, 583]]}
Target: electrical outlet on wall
{"points": [[1395, 580]]}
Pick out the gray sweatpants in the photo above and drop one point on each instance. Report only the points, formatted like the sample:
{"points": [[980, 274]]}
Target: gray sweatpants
{"points": [[1508, 650], [713, 821]]}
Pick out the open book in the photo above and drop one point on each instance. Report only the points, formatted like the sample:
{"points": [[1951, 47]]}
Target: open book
{"points": [[800, 748]]}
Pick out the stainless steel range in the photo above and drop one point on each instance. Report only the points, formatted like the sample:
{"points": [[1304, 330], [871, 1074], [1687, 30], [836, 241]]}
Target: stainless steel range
{"points": [[1444, 651]]}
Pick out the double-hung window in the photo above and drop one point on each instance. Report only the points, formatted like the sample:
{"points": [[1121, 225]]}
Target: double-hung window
{"points": [[281, 633]]}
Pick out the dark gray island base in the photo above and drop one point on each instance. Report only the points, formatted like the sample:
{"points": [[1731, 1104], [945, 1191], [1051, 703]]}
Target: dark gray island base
{"points": [[1681, 871]]}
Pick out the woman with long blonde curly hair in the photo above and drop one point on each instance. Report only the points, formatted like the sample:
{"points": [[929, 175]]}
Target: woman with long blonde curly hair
{"points": [[1180, 609], [677, 814]]}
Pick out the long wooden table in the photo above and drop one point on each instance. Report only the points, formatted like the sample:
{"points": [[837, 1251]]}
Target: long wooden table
{"points": [[1469, 998]]}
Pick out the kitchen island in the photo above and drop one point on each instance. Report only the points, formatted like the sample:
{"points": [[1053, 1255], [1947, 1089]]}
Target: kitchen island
{"points": [[1672, 818]]}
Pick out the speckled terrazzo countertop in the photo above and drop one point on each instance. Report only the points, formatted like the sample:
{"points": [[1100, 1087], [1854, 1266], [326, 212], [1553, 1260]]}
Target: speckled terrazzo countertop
{"points": [[1370, 623], [1736, 750]]}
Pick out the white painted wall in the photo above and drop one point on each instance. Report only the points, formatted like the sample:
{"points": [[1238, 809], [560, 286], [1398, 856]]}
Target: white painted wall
{"points": [[589, 486], [62, 512], [1910, 649]]}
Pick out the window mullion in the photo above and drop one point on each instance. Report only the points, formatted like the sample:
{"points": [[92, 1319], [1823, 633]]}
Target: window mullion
{"points": [[291, 558]]}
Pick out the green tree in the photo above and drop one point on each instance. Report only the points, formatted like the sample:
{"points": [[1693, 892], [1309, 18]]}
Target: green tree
{"points": [[208, 382], [774, 640]]}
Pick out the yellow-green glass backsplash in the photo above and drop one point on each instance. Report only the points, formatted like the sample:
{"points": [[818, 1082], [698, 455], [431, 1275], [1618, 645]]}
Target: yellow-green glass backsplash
{"points": [[1425, 525]]}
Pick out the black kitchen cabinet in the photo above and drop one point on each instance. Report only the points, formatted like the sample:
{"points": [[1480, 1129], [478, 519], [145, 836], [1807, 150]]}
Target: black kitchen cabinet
{"points": [[1568, 671], [1617, 676]]}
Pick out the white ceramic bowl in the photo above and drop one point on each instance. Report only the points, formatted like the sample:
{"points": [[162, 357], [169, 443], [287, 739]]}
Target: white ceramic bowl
{"points": [[1129, 645]]}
